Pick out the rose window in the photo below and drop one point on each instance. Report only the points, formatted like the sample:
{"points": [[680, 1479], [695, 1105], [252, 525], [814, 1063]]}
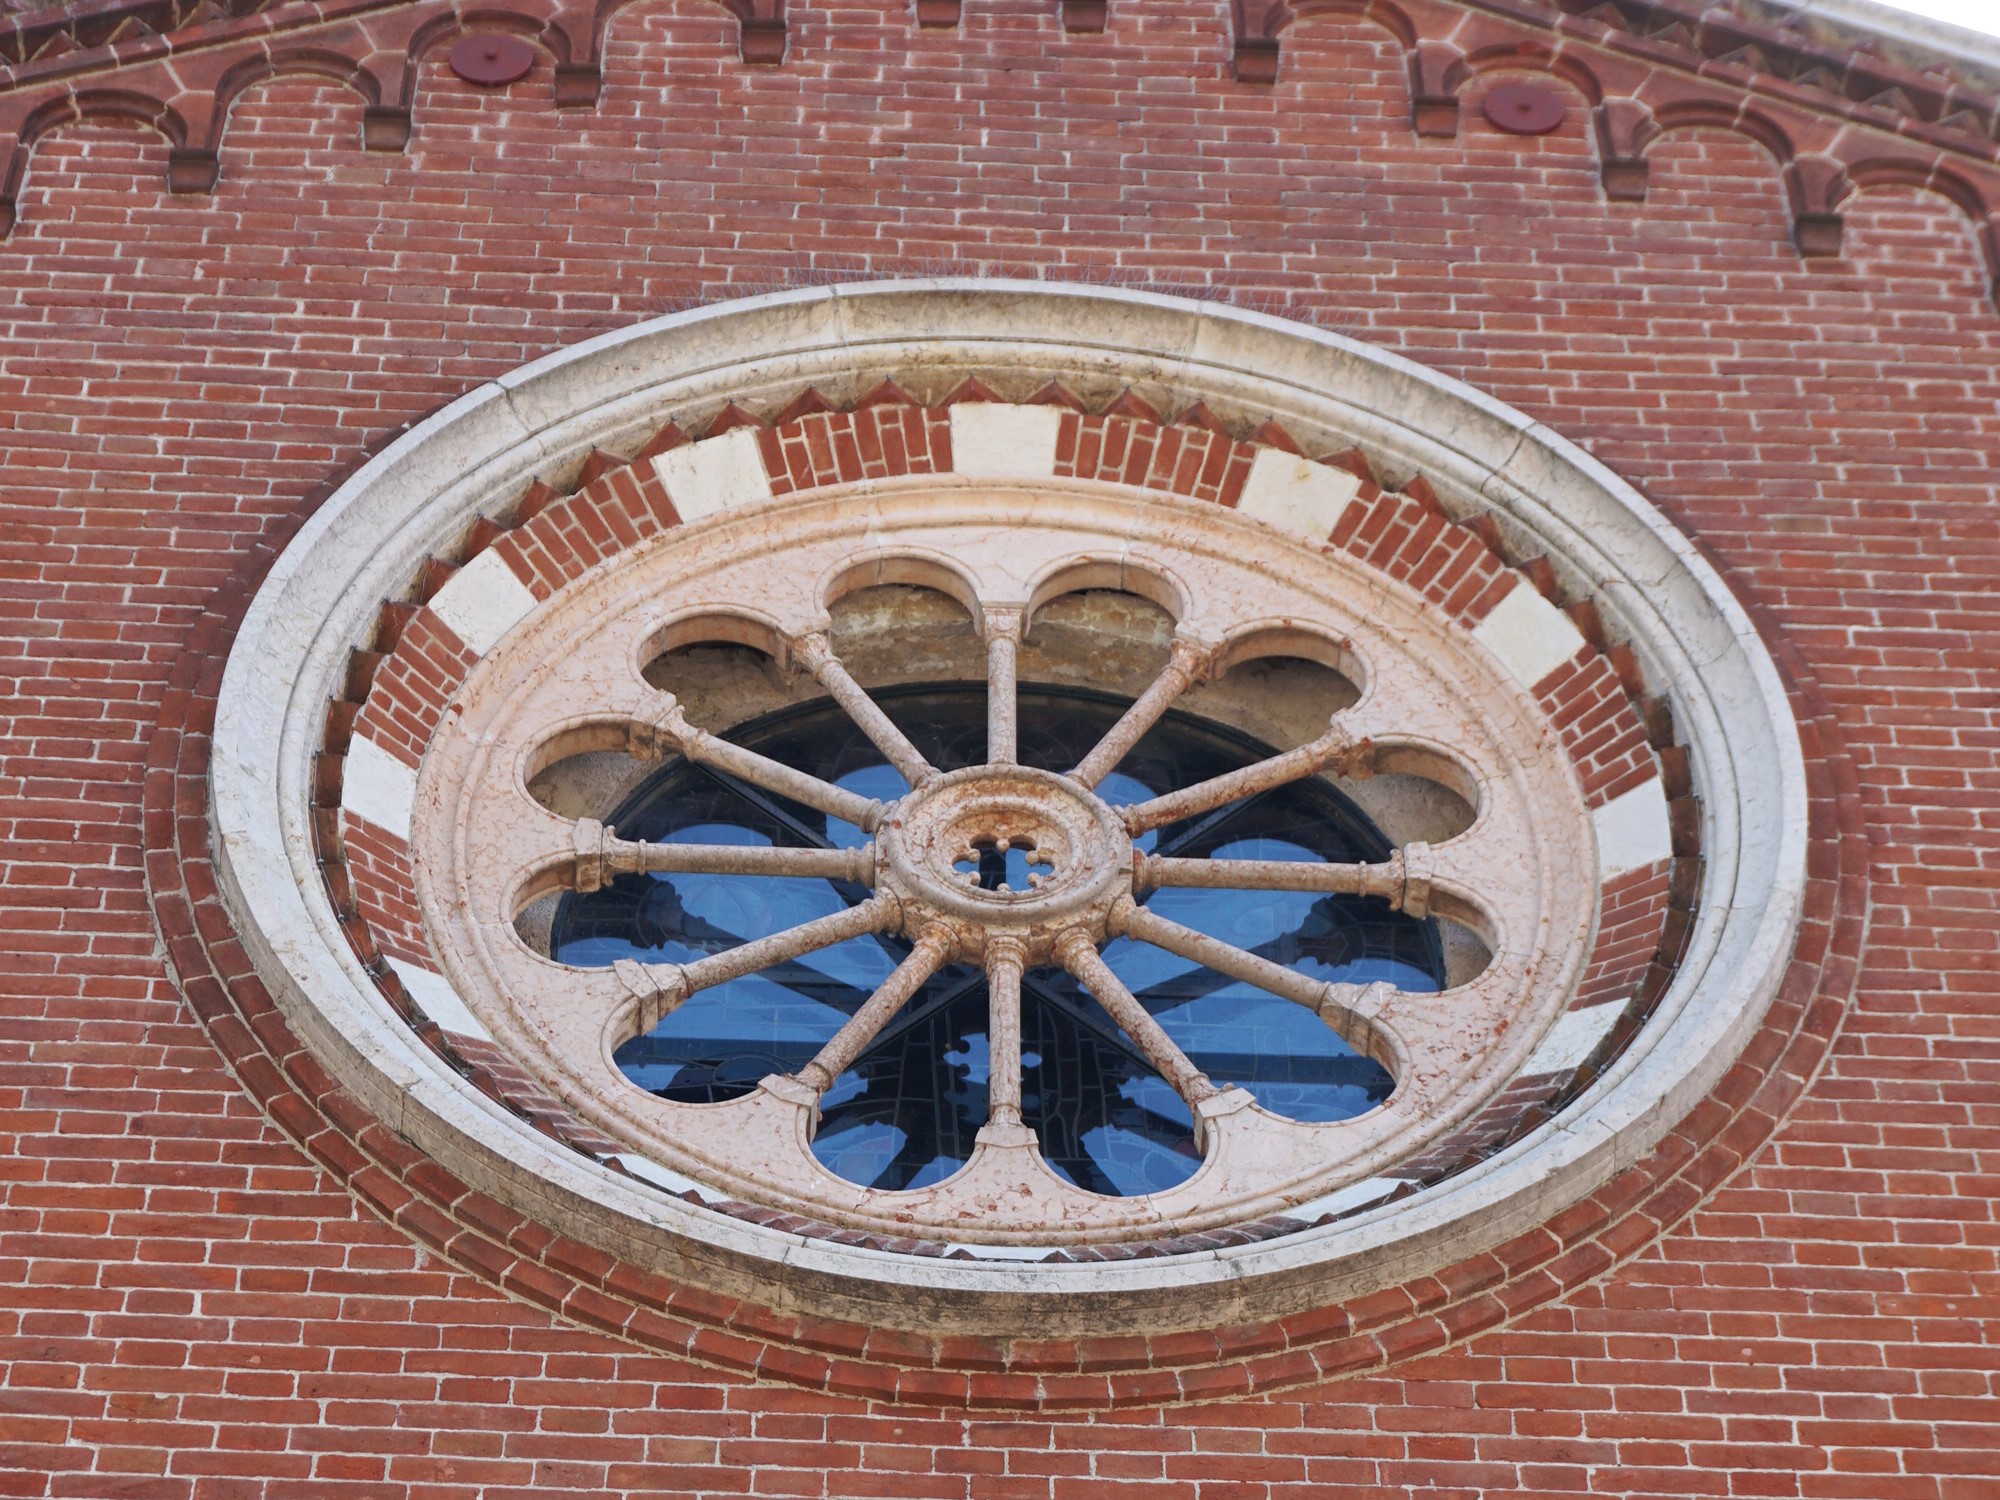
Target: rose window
{"points": [[970, 942], [1036, 1050], [999, 811]]}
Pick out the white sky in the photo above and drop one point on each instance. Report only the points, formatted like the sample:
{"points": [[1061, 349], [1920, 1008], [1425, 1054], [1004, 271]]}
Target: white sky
{"points": [[1974, 15]]}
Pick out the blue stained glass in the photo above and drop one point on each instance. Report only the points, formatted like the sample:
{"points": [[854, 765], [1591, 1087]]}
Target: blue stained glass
{"points": [[906, 1114]]}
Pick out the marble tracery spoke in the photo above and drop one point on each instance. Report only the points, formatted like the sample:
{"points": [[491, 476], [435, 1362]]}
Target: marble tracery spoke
{"points": [[1336, 748], [600, 856], [1403, 880], [831, 672], [933, 947], [668, 727], [663, 988], [1434, 1033], [1081, 958], [1185, 663], [1003, 645]]}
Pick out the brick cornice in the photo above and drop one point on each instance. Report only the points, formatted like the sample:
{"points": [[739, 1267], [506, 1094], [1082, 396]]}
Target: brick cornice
{"points": [[1834, 118], [1829, 71], [99, 34], [1840, 67]]}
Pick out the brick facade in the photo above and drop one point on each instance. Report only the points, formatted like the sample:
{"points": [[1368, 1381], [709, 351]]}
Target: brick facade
{"points": [[226, 289]]}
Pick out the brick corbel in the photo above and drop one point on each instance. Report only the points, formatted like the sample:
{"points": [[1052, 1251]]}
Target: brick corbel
{"points": [[385, 127], [1625, 127], [390, 71], [194, 164], [762, 39], [192, 169], [574, 32], [1258, 23], [1816, 185], [383, 73], [1437, 71], [1083, 16], [13, 165]]}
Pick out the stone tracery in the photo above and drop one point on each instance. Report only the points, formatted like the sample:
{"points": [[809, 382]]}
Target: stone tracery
{"points": [[491, 848]]}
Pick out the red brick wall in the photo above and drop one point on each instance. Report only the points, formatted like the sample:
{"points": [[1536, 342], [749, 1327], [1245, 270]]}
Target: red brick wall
{"points": [[189, 1306]]}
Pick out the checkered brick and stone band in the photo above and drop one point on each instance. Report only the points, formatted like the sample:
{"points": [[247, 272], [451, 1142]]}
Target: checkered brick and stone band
{"points": [[1579, 875]]}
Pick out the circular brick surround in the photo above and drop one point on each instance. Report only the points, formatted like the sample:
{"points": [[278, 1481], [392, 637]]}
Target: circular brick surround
{"points": [[1618, 736]]}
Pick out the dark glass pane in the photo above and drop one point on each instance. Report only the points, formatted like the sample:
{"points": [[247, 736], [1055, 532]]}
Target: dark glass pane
{"points": [[905, 1115], [1106, 1120]]}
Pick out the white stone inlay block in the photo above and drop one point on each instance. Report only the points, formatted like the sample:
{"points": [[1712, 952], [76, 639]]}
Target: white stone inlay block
{"points": [[1529, 635], [715, 474], [1632, 829], [989, 438], [483, 601], [1023, 1253], [1573, 1038], [1297, 495], [376, 786], [1354, 1195], [439, 1000], [647, 1170]]}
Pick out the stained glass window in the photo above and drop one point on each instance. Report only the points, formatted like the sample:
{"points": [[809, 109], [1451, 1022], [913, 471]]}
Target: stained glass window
{"points": [[905, 1114]]}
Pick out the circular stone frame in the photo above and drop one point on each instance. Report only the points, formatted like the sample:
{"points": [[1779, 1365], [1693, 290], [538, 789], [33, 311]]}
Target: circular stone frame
{"points": [[1695, 644], [566, 673]]}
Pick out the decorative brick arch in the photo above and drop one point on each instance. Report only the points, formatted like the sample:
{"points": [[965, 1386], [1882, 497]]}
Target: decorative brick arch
{"points": [[179, 65]]}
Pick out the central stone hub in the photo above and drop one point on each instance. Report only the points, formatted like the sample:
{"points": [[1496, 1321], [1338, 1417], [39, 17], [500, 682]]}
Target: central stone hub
{"points": [[995, 850]]}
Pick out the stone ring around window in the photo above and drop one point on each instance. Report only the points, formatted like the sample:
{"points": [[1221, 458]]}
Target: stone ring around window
{"points": [[1006, 809]]}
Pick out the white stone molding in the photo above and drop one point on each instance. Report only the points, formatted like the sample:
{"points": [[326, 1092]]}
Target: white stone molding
{"points": [[1297, 495], [1572, 1039], [716, 474], [992, 440], [482, 601], [1529, 635], [377, 787], [413, 500], [438, 1000], [1632, 830]]}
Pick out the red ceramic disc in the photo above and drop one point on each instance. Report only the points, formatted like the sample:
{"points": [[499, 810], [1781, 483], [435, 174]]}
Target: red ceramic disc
{"points": [[491, 60], [1524, 108]]}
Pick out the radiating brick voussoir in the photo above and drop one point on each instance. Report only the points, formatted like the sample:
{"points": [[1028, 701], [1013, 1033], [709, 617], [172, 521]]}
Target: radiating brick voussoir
{"points": [[1401, 535], [407, 697], [1599, 726], [384, 885], [1193, 461], [887, 440], [569, 536]]}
